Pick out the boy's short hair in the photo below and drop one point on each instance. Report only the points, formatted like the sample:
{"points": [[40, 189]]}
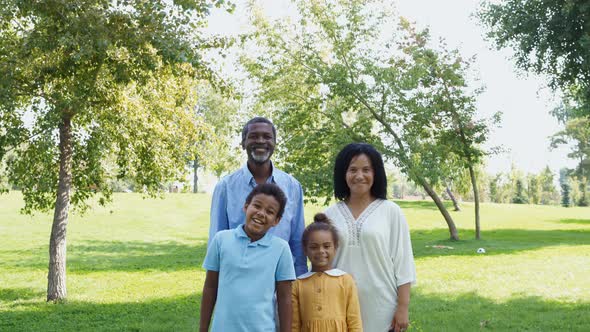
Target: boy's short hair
{"points": [[269, 189]]}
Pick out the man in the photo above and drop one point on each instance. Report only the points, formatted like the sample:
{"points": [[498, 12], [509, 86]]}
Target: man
{"points": [[259, 139]]}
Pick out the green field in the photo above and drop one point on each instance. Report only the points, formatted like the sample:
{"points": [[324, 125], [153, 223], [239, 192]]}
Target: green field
{"points": [[135, 266]]}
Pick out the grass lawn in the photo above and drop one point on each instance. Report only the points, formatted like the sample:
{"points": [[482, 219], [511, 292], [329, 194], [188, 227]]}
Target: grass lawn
{"points": [[135, 266]]}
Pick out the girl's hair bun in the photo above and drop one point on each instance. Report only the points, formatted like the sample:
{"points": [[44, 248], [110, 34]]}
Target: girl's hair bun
{"points": [[321, 222], [321, 217]]}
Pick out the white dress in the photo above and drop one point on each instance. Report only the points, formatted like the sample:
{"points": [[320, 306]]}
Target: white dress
{"points": [[376, 250]]}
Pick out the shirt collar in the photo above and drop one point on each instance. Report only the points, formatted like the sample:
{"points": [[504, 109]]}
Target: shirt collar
{"points": [[332, 273], [275, 175], [264, 241]]}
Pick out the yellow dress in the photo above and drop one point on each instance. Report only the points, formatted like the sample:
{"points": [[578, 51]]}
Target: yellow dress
{"points": [[326, 302]]}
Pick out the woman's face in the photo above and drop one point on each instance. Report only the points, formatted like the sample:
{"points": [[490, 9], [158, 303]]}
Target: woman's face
{"points": [[359, 175]]}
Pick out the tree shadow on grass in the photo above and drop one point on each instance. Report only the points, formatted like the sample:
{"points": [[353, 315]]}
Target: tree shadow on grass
{"points": [[16, 294], [168, 314], [497, 241], [574, 221], [93, 256], [132, 256], [471, 312], [428, 313]]}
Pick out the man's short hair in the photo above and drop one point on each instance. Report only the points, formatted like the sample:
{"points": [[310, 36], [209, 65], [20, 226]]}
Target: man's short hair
{"points": [[269, 189], [258, 119]]}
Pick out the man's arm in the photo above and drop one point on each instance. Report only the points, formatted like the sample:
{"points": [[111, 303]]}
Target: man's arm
{"points": [[284, 304], [208, 300], [218, 218], [297, 227]]}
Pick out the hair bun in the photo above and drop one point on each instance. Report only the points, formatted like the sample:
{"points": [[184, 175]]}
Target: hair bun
{"points": [[321, 217]]}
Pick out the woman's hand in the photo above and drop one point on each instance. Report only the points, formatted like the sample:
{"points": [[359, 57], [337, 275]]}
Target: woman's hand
{"points": [[401, 319]]}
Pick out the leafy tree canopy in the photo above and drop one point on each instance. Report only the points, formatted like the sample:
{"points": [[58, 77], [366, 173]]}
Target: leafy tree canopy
{"points": [[121, 71], [549, 37]]}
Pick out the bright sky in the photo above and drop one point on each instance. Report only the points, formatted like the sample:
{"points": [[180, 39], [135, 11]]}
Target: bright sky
{"points": [[525, 104]]}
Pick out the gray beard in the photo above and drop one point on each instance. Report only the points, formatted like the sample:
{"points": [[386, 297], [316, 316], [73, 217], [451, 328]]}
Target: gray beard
{"points": [[260, 158]]}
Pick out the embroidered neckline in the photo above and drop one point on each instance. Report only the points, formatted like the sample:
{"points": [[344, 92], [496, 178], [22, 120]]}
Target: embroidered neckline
{"points": [[354, 226]]}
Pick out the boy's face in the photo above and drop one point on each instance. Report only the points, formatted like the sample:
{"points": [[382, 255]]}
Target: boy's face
{"points": [[261, 215]]}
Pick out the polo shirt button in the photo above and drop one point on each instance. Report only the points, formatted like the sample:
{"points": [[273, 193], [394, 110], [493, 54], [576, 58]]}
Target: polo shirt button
{"points": [[319, 308]]}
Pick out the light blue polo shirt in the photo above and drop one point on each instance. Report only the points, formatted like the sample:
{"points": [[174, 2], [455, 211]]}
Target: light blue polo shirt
{"points": [[248, 272]]}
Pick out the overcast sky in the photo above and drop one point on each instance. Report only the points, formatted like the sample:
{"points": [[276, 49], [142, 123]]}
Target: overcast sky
{"points": [[525, 104]]}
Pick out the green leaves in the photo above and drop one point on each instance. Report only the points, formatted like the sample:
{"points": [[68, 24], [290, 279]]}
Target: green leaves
{"points": [[124, 71], [549, 37], [343, 77]]}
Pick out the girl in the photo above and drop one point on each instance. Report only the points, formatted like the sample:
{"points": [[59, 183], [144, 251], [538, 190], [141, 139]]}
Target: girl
{"points": [[324, 299]]}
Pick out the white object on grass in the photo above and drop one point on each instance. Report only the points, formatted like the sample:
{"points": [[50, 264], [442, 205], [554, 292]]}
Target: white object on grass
{"points": [[481, 251]]}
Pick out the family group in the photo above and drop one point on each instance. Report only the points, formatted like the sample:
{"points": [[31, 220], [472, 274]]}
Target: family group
{"points": [[362, 265]]}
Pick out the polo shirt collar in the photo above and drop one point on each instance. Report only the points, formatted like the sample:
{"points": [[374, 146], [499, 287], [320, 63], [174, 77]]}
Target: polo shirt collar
{"points": [[264, 241], [332, 272]]}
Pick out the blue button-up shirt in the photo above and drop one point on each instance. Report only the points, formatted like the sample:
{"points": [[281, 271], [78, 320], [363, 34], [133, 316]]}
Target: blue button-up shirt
{"points": [[227, 209]]}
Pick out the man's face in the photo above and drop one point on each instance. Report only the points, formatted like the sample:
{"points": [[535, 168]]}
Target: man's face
{"points": [[259, 143]]}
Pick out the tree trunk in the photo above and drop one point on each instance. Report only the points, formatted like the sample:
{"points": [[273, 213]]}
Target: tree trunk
{"points": [[56, 277], [453, 199], [476, 200], [195, 175], [443, 210]]}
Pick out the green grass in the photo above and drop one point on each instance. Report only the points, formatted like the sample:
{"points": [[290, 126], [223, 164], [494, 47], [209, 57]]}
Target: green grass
{"points": [[135, 266]]}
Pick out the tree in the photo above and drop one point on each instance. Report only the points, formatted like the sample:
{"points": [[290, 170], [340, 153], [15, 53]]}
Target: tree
{"points": [[549, 194], [552, 38], [468, 135], [453, 199], [565, 195], [494, 197], [99, 79], [577, 130], [337, 76], [533, 189], [218, 110], [519, 193], [549, 37]]}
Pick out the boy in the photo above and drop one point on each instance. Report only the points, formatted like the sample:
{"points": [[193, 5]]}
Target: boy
{"points": [[245, 266]]}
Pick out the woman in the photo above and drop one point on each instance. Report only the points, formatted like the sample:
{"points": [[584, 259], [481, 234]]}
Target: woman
{"points": [[375, 239]]}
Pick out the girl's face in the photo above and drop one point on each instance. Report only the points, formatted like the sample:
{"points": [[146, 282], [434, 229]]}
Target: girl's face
{"points": [[359, 175], [320, 250]]}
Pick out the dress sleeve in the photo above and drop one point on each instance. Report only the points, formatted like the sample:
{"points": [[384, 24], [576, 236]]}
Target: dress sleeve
{"points": [[401, 249], [296, 320], [353, 309]]}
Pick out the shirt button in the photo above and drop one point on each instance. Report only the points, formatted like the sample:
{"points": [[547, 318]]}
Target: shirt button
{"points": [[319, 308], [319, 290]]}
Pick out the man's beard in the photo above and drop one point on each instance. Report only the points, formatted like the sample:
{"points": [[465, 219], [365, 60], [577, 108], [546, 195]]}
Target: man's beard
{"points": [[260, 158]]}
